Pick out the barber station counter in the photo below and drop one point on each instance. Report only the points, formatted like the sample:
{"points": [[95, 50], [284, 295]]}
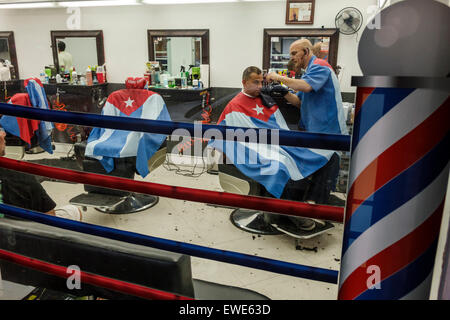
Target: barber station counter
{"points": [[184, 105]]}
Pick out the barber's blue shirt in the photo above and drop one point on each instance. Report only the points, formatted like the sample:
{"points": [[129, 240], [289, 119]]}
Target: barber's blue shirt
{"points": [[321, 109]]}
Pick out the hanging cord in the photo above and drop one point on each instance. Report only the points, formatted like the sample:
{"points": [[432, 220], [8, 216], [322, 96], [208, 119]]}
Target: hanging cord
{"points": [[58, 105], [170, 166], [207, 108], [5, 90]]}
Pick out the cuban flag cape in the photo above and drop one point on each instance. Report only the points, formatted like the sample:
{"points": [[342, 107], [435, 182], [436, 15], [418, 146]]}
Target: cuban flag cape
{"points": [[107, 144], [25, 129], [270, 165]]}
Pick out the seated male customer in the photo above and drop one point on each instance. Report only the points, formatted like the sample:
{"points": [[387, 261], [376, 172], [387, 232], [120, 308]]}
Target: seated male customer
{"points": [[281, 170], [23, 190]]}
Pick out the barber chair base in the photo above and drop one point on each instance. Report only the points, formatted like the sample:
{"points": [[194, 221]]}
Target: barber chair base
{"points": [[321, 227], [115, 204], [34, 150], [252, 221]]}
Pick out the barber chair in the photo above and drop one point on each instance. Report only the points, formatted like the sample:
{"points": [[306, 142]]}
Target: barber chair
{"points": [[16, 147], [233, 181], [115, 201], [258, 222]]}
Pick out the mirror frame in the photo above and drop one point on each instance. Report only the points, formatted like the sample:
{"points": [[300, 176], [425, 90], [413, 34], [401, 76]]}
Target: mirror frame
{"points": [[202, 33], [302, 32], [12, 50], [97, 34]]}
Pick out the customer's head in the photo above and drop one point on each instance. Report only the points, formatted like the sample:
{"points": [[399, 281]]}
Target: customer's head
{"points": [[61, 46], [252, 80], [301, 52], [317, 50], [2, 142]]}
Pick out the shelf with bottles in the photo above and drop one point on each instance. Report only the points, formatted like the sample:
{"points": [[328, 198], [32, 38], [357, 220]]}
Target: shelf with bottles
{"points": [[279, 62], [278, 69]]}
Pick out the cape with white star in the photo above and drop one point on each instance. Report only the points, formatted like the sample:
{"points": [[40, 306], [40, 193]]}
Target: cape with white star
{"points": [[270, 165], [107, 144]]}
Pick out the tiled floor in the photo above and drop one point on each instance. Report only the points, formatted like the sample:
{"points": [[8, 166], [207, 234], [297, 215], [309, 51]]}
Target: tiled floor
{"points": [[204, 225]]}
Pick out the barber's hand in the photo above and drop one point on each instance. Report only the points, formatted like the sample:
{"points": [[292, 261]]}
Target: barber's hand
{"points": [[272, 76], [278, 90], [275, 90]]}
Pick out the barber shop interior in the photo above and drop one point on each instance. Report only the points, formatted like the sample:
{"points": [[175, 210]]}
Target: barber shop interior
{"points": [[224, 150]]}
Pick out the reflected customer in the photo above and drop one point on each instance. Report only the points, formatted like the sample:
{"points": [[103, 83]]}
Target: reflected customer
{"points": [[64, 58]]}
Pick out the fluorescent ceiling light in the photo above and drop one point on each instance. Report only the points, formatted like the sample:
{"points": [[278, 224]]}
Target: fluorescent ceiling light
{"points": [[28, 5], [185, 1], [101, 3], [200, 1], [98, 3]]}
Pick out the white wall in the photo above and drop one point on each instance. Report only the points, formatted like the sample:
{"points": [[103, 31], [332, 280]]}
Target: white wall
{"points": [[179, 53], [236, 34]]}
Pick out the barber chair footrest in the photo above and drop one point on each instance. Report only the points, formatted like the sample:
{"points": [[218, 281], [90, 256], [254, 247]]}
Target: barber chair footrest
{"points": [[116, 204], [321, 227], [96, 200], [252, 221]]}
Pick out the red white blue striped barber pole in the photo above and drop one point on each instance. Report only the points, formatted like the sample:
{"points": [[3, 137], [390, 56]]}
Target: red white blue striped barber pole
{"points": [[398, 177]]}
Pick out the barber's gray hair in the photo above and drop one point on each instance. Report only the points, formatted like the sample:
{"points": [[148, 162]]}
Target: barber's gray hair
{"points": [[249, 70]]}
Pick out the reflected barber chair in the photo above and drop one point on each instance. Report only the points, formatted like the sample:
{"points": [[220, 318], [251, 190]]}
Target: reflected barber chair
{"points": [[22, 134], [116, 201], [15, 147], [233, 181], [258, 222]]}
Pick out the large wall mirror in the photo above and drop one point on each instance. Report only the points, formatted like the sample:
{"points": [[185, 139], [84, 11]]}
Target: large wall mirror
{"points": [[277, 43], [176, 48], [8, 57], [78, 49]]}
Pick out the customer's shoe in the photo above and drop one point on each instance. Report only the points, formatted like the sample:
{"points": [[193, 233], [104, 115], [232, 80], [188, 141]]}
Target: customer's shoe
{"points": [[68, 212]]}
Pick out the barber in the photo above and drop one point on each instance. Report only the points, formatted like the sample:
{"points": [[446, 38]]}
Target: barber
{"points": [[318, 94]]}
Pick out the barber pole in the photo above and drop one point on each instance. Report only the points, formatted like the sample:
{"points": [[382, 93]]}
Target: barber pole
{"points": [[398, 178]]}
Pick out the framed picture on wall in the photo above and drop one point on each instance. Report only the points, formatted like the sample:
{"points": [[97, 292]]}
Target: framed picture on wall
{"points": [[299, 11]]}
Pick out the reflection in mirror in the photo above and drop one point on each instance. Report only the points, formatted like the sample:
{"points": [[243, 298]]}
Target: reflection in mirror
{"points": [[77, 52], [78, 49], [279, 51], [277, 43], [176, 48], [8, 58], [174, 52]]}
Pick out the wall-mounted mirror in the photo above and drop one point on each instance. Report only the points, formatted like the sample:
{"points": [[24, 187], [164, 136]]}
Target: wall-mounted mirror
{"points": [[176, 48], [78, 49], [9, 68], [277, 43]]}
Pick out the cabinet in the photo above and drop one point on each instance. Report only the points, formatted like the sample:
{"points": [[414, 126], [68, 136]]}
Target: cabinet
{"points": [[76, 98]]}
